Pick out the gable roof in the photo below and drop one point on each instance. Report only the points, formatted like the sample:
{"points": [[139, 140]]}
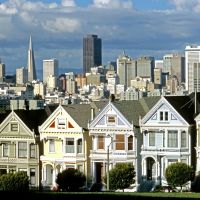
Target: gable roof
{"points": [[134, 109], [34, 118], [4, 114], [185, 106], [80, 113]]}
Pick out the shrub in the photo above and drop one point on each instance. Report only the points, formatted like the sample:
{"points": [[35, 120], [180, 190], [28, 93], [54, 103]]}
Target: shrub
{"points": [[70, 180], [14, 182], [121, 176], [178, 174]]}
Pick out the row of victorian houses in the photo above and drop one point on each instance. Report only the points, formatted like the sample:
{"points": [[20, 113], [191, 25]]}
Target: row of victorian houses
{"points": [[150, 133]]}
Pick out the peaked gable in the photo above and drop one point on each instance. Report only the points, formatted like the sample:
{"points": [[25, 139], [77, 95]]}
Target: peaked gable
{"points": [[14, 126], [110, 116], [163, 114], [59, 121]]}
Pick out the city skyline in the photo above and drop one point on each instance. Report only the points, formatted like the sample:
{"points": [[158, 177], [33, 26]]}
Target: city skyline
{"points": [[139, 27]]}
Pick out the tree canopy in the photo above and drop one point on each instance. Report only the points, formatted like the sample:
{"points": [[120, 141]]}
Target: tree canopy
{"points": [[178, 174], [70, 180], [121, 176]]}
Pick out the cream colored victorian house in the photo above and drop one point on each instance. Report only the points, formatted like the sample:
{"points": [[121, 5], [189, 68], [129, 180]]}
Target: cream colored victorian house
{"points": [[66, 142], [19, 142], [116, 136]]}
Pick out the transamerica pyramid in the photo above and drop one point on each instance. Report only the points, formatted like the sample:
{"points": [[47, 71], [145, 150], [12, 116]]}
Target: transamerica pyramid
{"points": [[31, 63]]}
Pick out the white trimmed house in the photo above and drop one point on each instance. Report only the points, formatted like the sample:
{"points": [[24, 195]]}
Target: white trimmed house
{"points": [[66, 142], [19, 143], [116, 136], [168, 131]]}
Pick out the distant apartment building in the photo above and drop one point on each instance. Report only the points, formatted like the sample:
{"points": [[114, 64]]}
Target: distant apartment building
{"points": [[192, 66], [159, 64], [113, 80], [21, 76], [158, 77], [92, 52], [39, 89], [52, 83], [80, 80], [126, 70], [140, 83], [50, 68], [71, 87]]}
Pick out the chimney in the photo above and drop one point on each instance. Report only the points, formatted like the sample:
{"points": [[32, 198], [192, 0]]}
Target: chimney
{"points": [[92, 113]]}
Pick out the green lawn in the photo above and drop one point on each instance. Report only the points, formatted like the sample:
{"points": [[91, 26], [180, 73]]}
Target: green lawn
{"points": [[100, 195]]}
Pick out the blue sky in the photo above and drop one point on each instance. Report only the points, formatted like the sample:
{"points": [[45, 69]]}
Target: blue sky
{"points": [[140, 27]]}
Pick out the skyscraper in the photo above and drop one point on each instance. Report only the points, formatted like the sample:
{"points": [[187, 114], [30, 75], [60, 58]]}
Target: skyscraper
{"points": [[31, 63], [192, 66], [92, 52], [126, 69], [2, 72], [21, 75], [50, 68]]}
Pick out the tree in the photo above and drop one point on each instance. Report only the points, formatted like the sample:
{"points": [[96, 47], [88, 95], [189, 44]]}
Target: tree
{"points": [[121, 176], [70, 180], [178, 174]]}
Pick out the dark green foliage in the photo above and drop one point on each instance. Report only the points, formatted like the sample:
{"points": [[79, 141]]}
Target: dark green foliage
{"points": [[196, 184], [14, 182], [121, 176], [96, 187], [178, 174], [70, 180]]}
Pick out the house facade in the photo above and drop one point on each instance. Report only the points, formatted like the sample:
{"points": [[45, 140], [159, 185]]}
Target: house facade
{"points": [[116, 137], [19, 143], [168, 131], [66, 142]]}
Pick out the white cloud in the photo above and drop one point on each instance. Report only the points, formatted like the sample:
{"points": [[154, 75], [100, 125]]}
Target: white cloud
{"points": [[61, 25], [5, 9], [112, 3], [28, 18], [57, 28], [67, 3], [186, 4]]}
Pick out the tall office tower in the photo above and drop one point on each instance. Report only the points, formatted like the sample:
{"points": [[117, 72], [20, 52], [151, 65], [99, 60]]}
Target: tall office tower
{"points": [[92, 52], [50, 68], [126, 70], [174, 64], [192, 66], [145, 67], [31, 63], [21, 76], [2, 72]]}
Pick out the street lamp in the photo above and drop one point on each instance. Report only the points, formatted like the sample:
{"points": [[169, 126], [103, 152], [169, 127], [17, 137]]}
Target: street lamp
{"points": [[108, 162]]}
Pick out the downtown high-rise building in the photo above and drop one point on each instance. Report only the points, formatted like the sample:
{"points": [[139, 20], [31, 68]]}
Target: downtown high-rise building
{"points": [[145, 67], [126, 69], [2, 72], [174, 64], [21, 76], [31, 63], [50, 68], [192, 66], [92, 52]]}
